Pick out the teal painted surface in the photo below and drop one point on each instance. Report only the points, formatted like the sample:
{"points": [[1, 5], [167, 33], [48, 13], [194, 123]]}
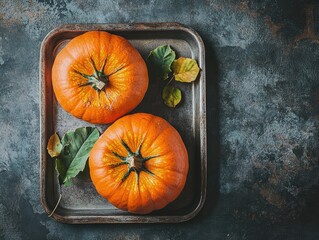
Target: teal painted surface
{"points": [[262, 106]]}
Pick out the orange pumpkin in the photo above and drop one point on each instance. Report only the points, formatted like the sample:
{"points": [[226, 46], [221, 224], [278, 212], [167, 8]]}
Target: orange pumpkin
{"points": [[99, 77], [139, 164]]}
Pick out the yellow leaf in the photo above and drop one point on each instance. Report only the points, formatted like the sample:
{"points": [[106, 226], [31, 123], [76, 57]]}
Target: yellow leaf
{"points": [[54, 146], [185, 69]]}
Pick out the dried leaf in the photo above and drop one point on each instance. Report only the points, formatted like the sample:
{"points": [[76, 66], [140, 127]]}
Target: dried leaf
{"points": [[54, 146], [185, 69]]}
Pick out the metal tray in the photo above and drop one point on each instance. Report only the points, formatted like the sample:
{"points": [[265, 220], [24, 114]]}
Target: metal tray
{"points": [[80, 203]]}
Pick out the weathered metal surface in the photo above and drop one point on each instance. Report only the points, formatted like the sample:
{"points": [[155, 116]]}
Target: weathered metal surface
{"points": [[81, 203]]}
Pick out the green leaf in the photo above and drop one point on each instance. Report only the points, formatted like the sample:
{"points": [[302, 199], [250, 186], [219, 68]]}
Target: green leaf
{"points": [[185, 69], [76, 149], [62, 172], [161, 59], [171, 96], [54, 146]]}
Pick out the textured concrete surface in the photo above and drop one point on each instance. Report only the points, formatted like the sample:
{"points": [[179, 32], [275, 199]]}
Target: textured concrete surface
{"points": [[263, 116]]}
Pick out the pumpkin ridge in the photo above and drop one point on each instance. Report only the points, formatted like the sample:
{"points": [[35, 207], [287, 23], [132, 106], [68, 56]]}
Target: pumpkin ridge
{"points": [[128, 45], [146, 133], [115, 187], [69, 52], [148, 192], [175, 171], [99, 53], [175, 191], [109, 46], [123, 193], [102, 43], [155, 201], [110, 103], [75, 108], [172, 187], [158, 135], [86, 46], [138, 188], [116, 38], [131, 193], [87, 104]]}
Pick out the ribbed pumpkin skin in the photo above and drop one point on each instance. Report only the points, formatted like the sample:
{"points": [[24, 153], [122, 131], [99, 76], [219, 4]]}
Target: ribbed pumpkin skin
{"points": [[166, 168], [126, 85]]}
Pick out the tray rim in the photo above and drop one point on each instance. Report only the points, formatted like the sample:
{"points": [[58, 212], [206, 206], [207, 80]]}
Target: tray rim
{"points": [[125, 27]]}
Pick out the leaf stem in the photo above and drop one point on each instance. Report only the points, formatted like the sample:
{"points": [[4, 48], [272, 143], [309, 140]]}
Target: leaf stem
{"points": [[56, 206], [169, 81]]}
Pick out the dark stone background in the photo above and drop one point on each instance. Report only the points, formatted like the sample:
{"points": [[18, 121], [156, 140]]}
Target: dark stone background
{"points": [[262, 116]]}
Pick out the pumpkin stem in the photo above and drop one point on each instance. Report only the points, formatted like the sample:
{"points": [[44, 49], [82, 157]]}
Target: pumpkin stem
{"points": [[136, 163], [98, 79], [134, 160]]}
